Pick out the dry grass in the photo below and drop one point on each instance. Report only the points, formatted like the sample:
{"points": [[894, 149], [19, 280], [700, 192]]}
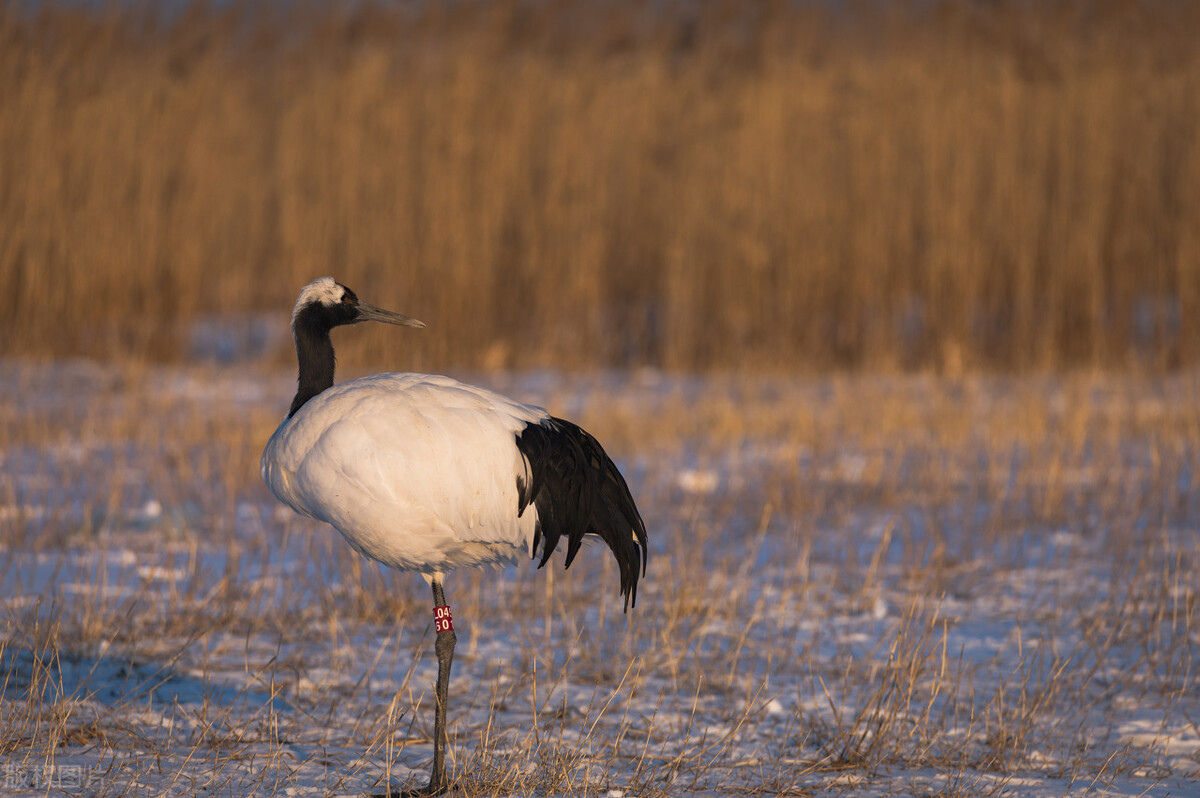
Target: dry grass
{"points": [[950, 587], [950, 185]]}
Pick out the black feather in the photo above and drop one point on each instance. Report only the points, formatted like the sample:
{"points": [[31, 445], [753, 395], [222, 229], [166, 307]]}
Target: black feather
{"points": [[578, 491]]}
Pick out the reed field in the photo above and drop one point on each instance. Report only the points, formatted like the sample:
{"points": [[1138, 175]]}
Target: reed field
{"points": [[949, 186], [889, 313]]}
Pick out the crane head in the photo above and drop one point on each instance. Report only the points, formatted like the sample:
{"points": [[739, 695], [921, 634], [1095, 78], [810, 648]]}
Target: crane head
{"points": [[327, 303]]}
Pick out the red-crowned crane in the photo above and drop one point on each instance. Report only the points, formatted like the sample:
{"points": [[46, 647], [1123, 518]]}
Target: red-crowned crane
{"points": [[427, 474]]}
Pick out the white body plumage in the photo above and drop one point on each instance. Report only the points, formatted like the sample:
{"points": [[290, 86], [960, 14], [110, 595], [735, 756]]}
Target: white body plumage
{"points": [[416, 471]]}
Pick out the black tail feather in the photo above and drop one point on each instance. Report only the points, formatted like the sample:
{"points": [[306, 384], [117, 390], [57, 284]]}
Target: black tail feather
{"points": [[578, 490]]}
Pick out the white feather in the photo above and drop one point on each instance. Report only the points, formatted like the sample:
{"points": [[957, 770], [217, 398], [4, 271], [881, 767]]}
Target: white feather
{"points": [[416, 471]]}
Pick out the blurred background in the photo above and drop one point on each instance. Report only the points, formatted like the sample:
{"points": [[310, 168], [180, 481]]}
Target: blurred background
{"points": [[945, 186]]}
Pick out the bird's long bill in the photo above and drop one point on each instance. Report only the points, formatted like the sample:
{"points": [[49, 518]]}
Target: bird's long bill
{"points": [[367, 312]]}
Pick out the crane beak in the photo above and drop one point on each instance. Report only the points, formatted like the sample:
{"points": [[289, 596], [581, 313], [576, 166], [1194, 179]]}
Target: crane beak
{"points": [[367, 312]]}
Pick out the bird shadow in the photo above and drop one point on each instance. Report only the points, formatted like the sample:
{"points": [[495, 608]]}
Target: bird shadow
{"points": [[112, 680]]}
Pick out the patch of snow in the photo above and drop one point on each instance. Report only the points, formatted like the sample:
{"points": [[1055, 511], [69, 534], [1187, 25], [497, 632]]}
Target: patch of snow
{"points": [[694, 480]]}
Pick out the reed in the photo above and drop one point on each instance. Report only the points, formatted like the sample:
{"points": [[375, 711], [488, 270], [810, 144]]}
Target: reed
{"points": [[949, 186]]}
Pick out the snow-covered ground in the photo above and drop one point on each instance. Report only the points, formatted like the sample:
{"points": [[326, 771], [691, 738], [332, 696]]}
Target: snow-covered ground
{"points": [[860, 585]]}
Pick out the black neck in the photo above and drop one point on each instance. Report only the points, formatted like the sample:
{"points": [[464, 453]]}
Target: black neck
{"points": [[314, 350]]}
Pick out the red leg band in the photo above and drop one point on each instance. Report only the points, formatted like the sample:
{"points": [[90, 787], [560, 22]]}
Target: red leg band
{"points": [[442, 622]]}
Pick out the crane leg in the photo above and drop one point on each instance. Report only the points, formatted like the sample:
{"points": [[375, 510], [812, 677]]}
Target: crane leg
{"points": [[444, 646], [445, 656]]}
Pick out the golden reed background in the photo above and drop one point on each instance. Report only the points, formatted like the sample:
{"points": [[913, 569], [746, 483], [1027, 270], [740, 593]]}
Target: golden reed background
{"points": [[950, 185]]}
